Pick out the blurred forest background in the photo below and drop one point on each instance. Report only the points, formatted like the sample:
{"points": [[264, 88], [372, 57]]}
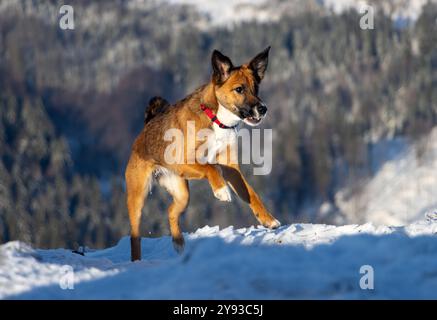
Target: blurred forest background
{"points": [[72, 101]]}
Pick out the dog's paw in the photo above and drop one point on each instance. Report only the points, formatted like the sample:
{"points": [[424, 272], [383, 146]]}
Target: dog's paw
{"points": [[274, 224], [223, 194], [179, 245]]}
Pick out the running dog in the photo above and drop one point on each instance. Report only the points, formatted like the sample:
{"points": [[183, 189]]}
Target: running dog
{"points": [[229, 98]]}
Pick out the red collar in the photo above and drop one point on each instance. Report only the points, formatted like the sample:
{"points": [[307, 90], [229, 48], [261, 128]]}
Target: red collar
{"points": [[210, 114]]}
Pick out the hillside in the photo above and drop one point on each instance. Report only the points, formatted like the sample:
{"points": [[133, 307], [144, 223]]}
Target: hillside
{"points": [[72, 102], [402, 189]]}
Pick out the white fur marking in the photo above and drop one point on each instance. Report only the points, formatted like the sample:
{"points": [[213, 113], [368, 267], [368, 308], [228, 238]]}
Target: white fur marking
{"points": [[224, 137], [274, 224], [223, 194], [168, 179], [227, 117]]}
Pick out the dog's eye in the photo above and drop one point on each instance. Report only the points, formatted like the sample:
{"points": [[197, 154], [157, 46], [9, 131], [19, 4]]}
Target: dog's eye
{"points": [[239, 89]]}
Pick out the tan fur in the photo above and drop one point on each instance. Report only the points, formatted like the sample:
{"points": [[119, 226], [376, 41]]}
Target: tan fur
{"points": [[148, 155]]}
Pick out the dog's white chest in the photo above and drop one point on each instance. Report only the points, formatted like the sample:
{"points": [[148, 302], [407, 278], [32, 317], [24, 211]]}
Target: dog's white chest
{"points": [[222, 138]]}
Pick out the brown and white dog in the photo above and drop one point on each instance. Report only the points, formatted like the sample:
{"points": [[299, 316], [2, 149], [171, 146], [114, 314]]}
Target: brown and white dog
{"points": [[229, 98]]}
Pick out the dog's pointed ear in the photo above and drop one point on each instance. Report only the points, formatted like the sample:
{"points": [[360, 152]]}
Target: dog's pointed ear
{"points": [[259, 64], [221, 67]]}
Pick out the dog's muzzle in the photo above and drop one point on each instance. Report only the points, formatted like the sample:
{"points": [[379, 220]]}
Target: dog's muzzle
{"points": [[253, 115]]}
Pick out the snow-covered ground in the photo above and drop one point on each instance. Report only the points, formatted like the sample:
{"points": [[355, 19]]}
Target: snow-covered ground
{"points": [[294, 262]]}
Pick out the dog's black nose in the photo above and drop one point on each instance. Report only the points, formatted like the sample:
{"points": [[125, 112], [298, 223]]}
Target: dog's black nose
{"points": [[262, 109]]}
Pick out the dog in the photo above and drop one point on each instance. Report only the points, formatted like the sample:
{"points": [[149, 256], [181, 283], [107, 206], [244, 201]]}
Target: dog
{"points": [[229, 98]]}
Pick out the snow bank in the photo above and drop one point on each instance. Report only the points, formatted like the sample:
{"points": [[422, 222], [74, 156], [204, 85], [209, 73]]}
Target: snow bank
{"points": [[294, 262]]}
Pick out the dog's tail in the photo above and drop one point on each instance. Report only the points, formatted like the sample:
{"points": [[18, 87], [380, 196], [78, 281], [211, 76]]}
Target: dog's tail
{"points": [[156, 105]]}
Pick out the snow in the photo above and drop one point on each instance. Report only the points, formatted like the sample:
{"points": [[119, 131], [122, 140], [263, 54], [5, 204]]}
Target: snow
{"points": [[294, 262], [215, 13], [403, 188], [233, 12], [409, 10], [237, 11]]}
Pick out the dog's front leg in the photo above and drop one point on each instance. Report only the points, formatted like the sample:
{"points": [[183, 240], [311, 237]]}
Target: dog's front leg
{"points": [[233, 175], [212, 174]]}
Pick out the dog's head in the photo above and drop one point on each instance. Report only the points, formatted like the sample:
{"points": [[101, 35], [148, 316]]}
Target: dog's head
{"points": [[236, 88]]}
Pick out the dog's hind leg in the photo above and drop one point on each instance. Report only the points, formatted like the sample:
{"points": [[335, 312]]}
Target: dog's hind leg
{"points": [[138, 178], [178, 188]]}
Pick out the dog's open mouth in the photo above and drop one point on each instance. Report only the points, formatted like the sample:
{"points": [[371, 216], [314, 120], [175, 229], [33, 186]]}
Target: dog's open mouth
{"points": [[250, 117], [252, 121]]}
